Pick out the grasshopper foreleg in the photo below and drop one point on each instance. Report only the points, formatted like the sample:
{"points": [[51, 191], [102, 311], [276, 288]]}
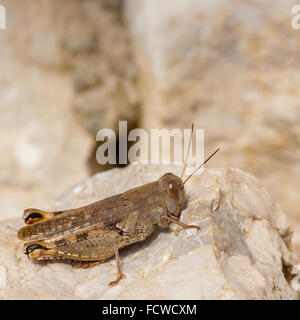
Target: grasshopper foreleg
{"points": [[183, 225]]}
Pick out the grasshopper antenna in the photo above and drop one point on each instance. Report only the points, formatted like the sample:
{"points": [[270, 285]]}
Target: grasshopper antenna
{"points": [[187, 153], [201, 165]]}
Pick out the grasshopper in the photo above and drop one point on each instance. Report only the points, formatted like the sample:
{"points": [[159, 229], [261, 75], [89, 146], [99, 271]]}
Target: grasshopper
{"points": [[89, 235]]}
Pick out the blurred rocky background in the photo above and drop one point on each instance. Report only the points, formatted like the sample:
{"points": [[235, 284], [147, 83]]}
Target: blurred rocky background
{"points": [[69, 68]]}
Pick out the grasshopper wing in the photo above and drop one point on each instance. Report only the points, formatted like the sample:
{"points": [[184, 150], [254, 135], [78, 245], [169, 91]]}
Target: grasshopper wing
{"points": [[99, 214]]}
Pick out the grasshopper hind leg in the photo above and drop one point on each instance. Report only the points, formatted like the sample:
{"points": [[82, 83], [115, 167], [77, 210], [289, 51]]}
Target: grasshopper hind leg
{"points": [[82, 250], [39, 252]]}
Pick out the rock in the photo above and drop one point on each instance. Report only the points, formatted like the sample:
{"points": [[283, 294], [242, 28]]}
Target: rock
{"points": [[104, 78], [231, 67], [87, 74], [97, 111], [243, 250], [44, 147], [32, 34], [53, 55], [39, 136]]}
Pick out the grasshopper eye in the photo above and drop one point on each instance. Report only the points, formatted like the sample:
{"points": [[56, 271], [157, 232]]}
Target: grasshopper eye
{"points": [[172, 190]]}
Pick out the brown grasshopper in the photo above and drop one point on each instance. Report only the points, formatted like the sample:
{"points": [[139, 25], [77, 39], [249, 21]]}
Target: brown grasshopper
{"points": [[89, 235]]}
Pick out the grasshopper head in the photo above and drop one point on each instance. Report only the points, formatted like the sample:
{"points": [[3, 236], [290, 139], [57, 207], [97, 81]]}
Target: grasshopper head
{"points": [[172, 189]]}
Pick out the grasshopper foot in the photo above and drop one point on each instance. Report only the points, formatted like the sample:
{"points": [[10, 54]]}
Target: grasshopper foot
{"points": [[189, 226], [115, 282]]}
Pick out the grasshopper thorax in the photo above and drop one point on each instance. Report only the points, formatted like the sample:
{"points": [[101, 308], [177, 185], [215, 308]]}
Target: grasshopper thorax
{"points": [[172, 188]]}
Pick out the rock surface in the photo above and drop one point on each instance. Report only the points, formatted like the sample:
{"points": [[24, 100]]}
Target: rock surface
{"points": [[103, 73], [241, 252], [37, 122], [65, 74]]}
